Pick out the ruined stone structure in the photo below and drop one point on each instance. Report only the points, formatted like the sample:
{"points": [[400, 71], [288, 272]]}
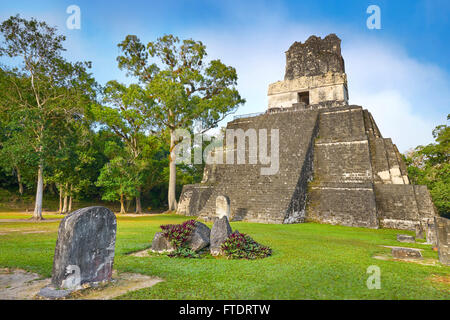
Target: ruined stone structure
{"points": [[334, 165], [443, 239]]}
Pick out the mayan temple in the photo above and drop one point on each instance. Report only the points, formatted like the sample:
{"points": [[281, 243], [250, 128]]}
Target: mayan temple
{"points": [[334, 164]]}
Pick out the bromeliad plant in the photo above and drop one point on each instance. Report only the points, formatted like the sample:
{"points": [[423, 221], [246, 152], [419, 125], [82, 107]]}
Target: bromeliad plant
{"points": [[178, 234], [242, 246], [183, 253]]}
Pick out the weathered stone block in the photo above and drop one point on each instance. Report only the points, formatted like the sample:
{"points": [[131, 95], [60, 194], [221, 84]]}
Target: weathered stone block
{"points": [[430, 229], [406, 253], [405, 238], [443, 239], [420, 232], [219, 233], [161, 244], [199, 237], [223, 207], [85, 247], [314, 57]]}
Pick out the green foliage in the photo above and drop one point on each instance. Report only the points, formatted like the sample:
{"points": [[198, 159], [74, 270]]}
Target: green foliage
{"points": [[183, 253], [117, 180], [430, 165], [242, 246], [178, 234], [44, 94], [184, 89], [126, 113]]}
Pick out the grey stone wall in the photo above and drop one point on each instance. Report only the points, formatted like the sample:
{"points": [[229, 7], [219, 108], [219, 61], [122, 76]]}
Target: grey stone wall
{"points": [[345, 204], [193, 198], [314, 57], [341, 150], [342, 191], [403, 206]]}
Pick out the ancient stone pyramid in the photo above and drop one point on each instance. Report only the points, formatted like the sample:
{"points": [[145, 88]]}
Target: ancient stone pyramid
{"points": [[334, 165]]}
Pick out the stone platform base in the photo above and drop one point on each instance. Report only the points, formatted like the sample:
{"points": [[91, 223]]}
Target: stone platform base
{"points": [[51, 292]]}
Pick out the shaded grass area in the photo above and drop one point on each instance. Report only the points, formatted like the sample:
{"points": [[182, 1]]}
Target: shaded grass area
{"points": [[309, 261], [21, 215]]}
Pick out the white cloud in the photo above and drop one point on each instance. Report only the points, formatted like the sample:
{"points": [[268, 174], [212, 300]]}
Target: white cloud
{"points": [[407, 98]]}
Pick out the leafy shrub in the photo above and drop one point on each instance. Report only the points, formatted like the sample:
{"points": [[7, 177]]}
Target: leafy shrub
{"points": [[242, 246], [178, 234], [183, 253]]}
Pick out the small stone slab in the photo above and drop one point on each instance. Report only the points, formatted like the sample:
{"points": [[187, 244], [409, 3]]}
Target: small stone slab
{"points": [[160, 244], [406, 253], [420, 232], [223, 207], [219, 234], [430, 230], [50, 292], [199, 238], [443, 239], [405, 238], [84, 251]]}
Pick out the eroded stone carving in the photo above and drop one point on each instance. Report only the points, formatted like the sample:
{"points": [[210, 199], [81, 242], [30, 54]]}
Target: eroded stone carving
{"points": [[223, 207], [443, 239], [84, 252], [219, 233], [85, 248]]}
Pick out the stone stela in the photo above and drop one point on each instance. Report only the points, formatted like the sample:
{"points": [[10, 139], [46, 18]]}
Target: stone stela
{"points": [[223, 207], [84, 252], [443, 239], [334, 164]]}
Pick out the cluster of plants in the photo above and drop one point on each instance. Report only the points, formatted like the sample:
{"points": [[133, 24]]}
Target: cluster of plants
{"points": [[183, 253], [242, 246], [178, 235]]}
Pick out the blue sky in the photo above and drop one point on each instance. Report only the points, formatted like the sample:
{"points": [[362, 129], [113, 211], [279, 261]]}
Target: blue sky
{"points": [[401, 73]]}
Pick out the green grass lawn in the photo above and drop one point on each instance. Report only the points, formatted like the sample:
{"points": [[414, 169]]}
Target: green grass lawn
{"points": [[309, 261]]}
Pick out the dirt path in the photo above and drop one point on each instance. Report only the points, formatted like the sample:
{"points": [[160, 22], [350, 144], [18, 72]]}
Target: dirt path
{"points": [[126, 282], [22, 285], [28, 220]]}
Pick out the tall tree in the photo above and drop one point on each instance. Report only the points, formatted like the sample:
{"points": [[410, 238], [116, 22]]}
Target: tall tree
{"points": [[183, 87], [118, 177], [45, 87], [16, 153], [127, 114]]}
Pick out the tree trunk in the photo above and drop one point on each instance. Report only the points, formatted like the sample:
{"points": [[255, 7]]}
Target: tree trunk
{"points": [[37, 215], [173, 174], [122, 207], [65, 198], [138, 202], [19, 181], [70, 200], [60, 199]]}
